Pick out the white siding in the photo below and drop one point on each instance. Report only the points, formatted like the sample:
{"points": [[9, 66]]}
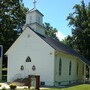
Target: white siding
{"points": [[33, 18], [37, 28], [41, 54], [65, 78]]}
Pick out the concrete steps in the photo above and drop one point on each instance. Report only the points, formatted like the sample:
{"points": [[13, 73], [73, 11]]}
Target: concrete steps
{"points": [[20, 82]]}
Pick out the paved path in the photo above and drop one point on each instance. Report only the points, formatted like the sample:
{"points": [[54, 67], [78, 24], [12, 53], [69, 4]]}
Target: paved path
{"points": [[5, 85]]}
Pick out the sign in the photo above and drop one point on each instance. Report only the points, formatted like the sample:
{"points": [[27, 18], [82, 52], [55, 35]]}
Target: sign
{"points": [[1, 51]]}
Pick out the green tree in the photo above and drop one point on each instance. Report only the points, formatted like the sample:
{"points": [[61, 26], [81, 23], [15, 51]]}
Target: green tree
{"points": [[50, 31], [80, 22], [12, 18], [68, 41]]}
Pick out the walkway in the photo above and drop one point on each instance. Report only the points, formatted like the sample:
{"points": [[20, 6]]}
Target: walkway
{"points": [[5, 85]]}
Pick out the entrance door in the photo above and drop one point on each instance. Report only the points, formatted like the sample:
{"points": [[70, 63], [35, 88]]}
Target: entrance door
{"points": [[33, 82]]}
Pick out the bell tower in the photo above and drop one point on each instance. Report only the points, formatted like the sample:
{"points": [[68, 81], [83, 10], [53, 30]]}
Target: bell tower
{"points": [[34, 19]]}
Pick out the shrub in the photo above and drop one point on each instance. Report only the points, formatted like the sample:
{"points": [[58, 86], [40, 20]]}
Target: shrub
{"points": [[3, 88], [0, 85], [12, 86]]}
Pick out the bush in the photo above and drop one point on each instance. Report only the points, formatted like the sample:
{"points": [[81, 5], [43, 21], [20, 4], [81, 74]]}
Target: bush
{"points": [[4, 88], [12, 86], [0, 85]]}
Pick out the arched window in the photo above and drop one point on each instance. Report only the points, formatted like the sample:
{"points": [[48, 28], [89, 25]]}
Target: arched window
{"points": [[77, 68], [70, 66], [83, 70], [28, 59], [60, 66]]}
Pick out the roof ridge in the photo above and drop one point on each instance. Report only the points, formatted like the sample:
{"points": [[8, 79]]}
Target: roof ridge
{"points": [[59, 46]]}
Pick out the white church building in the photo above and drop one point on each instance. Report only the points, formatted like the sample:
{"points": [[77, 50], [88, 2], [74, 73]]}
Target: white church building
{"points": [[34, 53]]}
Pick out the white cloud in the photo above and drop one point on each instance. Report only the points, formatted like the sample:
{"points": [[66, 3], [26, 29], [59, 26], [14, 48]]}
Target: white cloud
{"points": [[60, 35]]}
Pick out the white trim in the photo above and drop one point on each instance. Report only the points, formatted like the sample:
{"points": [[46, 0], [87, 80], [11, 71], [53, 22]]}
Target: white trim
{"points": [[2, 50]]}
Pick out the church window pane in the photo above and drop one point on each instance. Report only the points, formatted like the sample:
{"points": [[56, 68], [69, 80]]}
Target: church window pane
{"points": [[77, 68], [60, 66], [83, 70], [28, 59], [70, 65]]}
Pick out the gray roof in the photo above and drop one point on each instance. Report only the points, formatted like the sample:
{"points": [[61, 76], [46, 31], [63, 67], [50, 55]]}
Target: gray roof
{"points": [[33, 10], [59, 46]]}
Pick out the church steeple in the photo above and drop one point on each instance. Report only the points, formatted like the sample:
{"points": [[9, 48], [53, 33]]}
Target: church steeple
{"points": [[34, 18]]}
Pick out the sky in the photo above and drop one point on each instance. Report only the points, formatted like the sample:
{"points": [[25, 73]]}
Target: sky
{"points": [[55, 12]]}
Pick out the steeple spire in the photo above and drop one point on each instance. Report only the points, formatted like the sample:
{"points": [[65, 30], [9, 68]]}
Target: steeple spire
{"points": [[34, 19], [34, 3]]}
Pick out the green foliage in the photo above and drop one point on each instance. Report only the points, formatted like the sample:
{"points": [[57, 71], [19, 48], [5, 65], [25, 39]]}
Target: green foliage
{"points": [[79, 20], [0, 85], [68, 40], [12, 18], [12, 86], [3, 88], [50, 31]]}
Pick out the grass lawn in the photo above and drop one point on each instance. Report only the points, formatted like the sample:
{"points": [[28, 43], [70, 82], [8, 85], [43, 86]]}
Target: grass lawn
{"points": [[79, 87]]}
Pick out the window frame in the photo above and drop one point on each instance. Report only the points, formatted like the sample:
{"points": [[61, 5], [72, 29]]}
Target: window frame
{"points": [[77, 68], [60, 66], [70, 68], [28, 59]]}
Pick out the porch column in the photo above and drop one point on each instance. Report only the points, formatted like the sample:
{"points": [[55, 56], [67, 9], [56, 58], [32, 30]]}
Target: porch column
{"points": [[84, 73], [89, 74]]}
